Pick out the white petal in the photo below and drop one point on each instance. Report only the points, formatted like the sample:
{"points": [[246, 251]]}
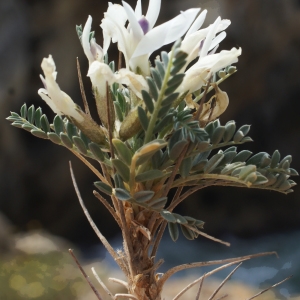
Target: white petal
{"points": [[217, 40], [153, 12], [210, 35], [138, 9], [197, 24], [166, 33], [43, 94], [135, 82], [134, 24], [85, 39]]}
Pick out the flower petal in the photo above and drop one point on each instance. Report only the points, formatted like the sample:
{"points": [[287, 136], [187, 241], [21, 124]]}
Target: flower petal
{"points": [[138, 9], [166, 33], [153, 12], [85, 39], [197, 23]]}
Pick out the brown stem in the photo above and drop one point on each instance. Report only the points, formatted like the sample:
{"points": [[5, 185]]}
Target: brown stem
{"points": [[223, 282], [85, 103], [176, 269], [85, 275], [108, 207], [104, 241], [102, 284]]}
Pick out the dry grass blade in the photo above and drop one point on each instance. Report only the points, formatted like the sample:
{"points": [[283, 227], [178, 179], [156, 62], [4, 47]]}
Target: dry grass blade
{"points": [[119, 281], [207, 236], [270, 287], [176, 269], [85, 103], [108, 207], [129, 296], [200, 287], [104, 241], [207, 275], [85, 275], [223, 282], [222, 297], [102, 284]]}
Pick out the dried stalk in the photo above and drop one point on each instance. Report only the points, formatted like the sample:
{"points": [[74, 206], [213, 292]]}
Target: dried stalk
{"points": [[207, 235], [85, 103], [198, 113], [85, 275], [129, 296], [222, 297], [223, 282], [119, 281], [200, 279], [176, 269], [108, 207], [200, 288], [274, 285], [102, 284], [104, 241]]}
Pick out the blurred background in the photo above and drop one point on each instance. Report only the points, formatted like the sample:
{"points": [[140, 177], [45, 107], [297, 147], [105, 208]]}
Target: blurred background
{"points": [[36, 191]]}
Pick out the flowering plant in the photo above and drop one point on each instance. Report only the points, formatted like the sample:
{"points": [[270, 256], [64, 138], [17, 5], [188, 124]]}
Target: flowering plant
{"points": [[159, 132]]}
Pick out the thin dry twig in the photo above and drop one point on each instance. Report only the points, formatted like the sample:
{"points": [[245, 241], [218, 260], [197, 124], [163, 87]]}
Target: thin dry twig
{"points": [[90, 166], [223, 282], [207, 235], [102, 284], [85, 275], [176, 269], [119, 281], [129, 296], [270, 287], [104, 241], [85, 103], [223, 296], [207, 275], [108, 207], [200, 288]]}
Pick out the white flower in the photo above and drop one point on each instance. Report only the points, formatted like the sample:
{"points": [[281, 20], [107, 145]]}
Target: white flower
{"points": [[138, 41], [200, 72], [91, 49], [59, 101]]}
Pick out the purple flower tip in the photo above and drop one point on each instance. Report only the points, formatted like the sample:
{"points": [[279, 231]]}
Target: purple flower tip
{"points": [[144, 24]]}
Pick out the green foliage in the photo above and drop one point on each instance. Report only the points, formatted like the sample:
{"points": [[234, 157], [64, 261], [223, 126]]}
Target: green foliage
{"points": [[161, 146]]}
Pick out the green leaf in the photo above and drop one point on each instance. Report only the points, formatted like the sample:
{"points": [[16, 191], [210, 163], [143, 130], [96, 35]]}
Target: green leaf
{"points": [[123, 151], [242, 156], [54, 138], [185, 167], [58, 124], [118, 110], [175, 81], [39, 133], [122, 169], [23, 111], [152, 88], [148, 101], [180, 219], [217, 135], [246, 171], [288, 159], [168, 216], [177, 149], [160, 68], [163, 123], [103, 187], [158, 203], [149, 175], [71, 130], [245, 129], [173, 231], [228, 157], [66, 140], [188, 233], [85, 139], [143, 118], [30, 114], [165, 58], [27, 127], [96, 151], [230, 128], [238, 136], [37, 117], [199, 167], [143, 196], [265, 161], [122, 194], [169, 99], [80, 144], [275, 159], [213, 162], [231, 167], [45, 124], [256, 159], [156, 76]]}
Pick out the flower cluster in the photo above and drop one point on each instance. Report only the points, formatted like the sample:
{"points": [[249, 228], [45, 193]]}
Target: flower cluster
{"points": [[137, 38]]}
